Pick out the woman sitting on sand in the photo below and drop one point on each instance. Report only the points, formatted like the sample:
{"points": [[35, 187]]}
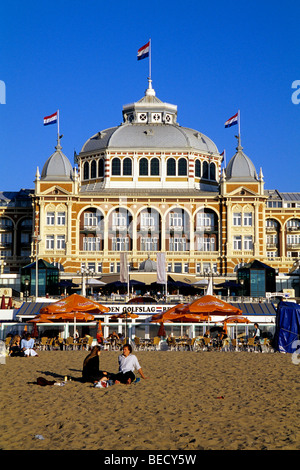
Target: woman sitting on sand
{"points": [[15, 347], [90, 371], [127, 364], [27, 345]]}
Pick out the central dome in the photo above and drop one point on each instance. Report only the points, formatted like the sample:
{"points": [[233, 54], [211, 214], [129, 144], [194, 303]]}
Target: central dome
{"points": [[150, 124]]}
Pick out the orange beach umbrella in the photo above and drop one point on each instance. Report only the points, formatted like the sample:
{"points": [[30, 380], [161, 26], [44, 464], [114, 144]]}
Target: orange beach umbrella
{"points": [[74, 303], [212, 305]]}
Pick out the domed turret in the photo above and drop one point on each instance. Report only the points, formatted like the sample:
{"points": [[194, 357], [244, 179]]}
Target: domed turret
{"points": [[57, 167], [240, 167]]}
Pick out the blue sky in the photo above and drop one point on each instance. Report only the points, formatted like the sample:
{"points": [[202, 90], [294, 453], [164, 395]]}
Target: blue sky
{"points": [[208, 58]]}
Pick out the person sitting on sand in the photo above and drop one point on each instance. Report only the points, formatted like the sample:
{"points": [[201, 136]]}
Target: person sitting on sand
{"points": [[90, 370], [27, 346], [128, 363], [15, 347]]}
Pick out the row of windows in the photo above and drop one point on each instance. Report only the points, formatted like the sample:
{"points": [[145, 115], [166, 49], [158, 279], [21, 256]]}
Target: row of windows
{"points": [[176, 267], [57, 242], [123, 167], [246, 242], [238, 217], [58, 218]]}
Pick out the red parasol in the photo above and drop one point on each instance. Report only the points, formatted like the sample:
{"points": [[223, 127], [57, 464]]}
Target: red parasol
{"points": [[3, 307], [161, 331], [99, 334], [34, 332]]}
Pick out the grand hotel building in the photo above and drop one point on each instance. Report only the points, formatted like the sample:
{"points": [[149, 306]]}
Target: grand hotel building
{"points": [[151, 185]]}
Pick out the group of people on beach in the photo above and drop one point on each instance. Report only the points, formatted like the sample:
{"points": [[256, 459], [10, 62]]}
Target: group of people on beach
{"points": [[22, 347], [128, 363]]}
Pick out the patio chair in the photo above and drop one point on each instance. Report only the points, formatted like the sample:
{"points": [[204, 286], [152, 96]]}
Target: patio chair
{"points": [[137, 343], [156, 342], [44, 343], [70, 343], [251, 345], [207, 343], [173, 345], [50, 344], [89, 343]]}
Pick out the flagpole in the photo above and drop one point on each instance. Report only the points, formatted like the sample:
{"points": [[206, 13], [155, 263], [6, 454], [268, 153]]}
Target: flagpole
{"points": [[150, 58], [239, 124], [58, 126]]}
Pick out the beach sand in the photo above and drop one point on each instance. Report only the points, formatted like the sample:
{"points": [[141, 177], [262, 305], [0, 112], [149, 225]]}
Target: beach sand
{"points": [[176, 409]]}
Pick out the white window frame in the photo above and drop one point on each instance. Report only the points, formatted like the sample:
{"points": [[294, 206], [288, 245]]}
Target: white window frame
{"points": [[50, 218], [50, 242], [60, 242], [175, 219], [247, 219], [237, 219], [120, 243], [178, 244], [237, 242], [248, 242], [61, 218]]}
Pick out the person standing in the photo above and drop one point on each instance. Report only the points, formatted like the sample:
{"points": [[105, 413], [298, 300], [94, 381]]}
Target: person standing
{"points": [[257, 335]]}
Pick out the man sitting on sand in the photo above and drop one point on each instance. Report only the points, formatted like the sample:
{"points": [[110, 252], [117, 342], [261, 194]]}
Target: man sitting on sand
{"points": [[127, 364]]}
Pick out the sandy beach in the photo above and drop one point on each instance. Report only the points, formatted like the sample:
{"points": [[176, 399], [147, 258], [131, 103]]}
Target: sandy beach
{"points": [[178, 408]]}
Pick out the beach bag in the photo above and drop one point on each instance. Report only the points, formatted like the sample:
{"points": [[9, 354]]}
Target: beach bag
{"points": [[101, 384], [43, 382]]}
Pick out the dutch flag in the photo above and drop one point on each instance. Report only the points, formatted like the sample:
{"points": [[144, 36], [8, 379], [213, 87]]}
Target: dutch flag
{"points": [[143, 51], [51, 119], [232, 121]]}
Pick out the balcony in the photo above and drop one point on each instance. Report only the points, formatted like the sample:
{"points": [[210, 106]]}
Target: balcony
{"points": [[206, 228], [293, 246]]}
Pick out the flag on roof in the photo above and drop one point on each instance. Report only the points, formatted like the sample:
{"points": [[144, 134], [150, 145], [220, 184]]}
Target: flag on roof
{"points": [[52, 119], [143, 51], [232, 121]]}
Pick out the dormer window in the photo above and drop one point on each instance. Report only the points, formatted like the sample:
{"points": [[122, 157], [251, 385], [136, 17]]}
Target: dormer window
{"points": [[156, 117], [168, 118], [142, 117]]}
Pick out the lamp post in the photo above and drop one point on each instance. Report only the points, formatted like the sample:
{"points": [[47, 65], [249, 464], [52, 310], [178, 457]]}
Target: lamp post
{"points": [[37, 239], [26, 282], [242, 284], [84, 272]]}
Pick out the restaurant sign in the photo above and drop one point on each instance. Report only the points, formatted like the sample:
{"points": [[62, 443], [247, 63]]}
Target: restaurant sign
{"points": [[142, 309]]}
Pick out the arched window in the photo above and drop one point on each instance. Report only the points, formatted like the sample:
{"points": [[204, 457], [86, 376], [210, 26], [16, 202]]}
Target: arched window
{"points": [[143, 167], [86, 171], [101, 168], [171, 167], [154, 167], [127, 167], [93, 169], [182, 167], [212, 169], [116, 167], [197, 169], [205, 170]]}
